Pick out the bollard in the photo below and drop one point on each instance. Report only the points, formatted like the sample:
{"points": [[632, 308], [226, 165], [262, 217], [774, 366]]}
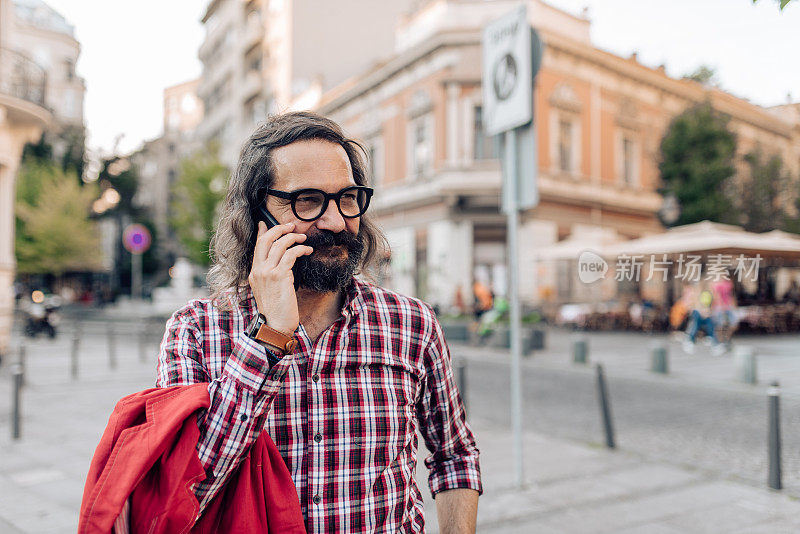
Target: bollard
{"points": [[461, 381], [605, 407], [580, 350], [112, 346], [21, 361], [774, 476], [16, 401], [660, 363], [73, 363], [744, 359]]}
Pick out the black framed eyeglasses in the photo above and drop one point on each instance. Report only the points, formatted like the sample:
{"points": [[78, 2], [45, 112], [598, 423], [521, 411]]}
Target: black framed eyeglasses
{"points": [[310, 204]]}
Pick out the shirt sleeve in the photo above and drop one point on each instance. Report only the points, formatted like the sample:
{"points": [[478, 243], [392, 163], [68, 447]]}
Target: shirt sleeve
{"points": [[240, 396], [454, 459]]}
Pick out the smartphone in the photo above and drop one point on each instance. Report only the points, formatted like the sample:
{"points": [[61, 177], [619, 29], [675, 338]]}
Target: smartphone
{"points": [[264, 215]]}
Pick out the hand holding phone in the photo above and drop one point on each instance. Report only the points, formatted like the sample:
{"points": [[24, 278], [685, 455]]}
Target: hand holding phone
{"points": [[271, 277]]}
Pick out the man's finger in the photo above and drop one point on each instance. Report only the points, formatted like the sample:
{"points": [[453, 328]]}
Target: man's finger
{"points": [[291, 255], [264, 240], [281, 245]]}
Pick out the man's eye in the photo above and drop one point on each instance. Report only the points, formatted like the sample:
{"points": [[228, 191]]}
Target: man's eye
{"points": [[349, 196], [308, 199]]}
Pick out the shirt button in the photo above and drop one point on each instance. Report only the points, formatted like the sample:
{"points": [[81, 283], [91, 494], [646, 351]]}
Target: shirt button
{"points": [[243, 417], [315, 378], [318, 437], [317, 499]]}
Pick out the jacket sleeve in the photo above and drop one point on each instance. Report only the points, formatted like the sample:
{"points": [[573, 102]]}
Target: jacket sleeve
{"points": [[240, 396], [454, 459]]}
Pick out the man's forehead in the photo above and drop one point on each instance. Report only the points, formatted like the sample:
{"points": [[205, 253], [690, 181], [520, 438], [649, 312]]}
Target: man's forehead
{"points": [[311, 163]]}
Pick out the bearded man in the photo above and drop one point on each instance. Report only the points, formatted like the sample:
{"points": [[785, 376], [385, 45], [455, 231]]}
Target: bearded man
{"points": [[340, 373]]}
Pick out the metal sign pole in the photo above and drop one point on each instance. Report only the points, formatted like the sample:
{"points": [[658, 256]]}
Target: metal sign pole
{"points": [[136, 274], [513, 298]]}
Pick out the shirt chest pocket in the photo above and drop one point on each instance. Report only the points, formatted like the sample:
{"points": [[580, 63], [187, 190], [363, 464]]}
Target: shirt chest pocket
{"points": [[380, 407]]}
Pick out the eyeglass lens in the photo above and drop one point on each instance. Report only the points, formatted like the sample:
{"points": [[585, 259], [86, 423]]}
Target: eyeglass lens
{"points": [[309, 204]]}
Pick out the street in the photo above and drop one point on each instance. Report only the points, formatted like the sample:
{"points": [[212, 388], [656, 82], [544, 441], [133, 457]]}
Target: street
{"points": [[708, 429]]}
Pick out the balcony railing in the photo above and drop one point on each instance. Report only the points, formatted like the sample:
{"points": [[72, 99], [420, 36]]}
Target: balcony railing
{"points": [[21, 77]]}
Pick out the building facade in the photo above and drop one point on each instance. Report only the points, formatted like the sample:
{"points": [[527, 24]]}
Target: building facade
{"points": [[266, 56], [600, 119], [158, 162], [48, 39], [23, 116]]}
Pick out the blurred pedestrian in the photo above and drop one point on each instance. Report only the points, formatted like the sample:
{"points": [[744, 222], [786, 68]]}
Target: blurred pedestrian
{"points": [[681, 310], [724, 308], [701, 319], [792, 295], [484, 300]]}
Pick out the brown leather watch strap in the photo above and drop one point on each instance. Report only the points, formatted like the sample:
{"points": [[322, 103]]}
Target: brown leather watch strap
{"points": [[275, 338]]}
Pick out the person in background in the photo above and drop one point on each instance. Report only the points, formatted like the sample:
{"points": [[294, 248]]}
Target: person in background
{"points": [[792, 295], [680, 313], [484, 300], [701, 319], [724, 308]]}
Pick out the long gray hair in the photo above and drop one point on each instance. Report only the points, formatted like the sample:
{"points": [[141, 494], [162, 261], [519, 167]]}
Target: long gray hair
{"points": [[235, 237]]}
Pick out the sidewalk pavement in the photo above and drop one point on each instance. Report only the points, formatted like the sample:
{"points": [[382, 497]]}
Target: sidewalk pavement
{"points": [[570, 486]]}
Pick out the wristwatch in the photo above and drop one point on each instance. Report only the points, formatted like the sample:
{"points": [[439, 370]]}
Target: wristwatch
{"points": [[277, 340]]}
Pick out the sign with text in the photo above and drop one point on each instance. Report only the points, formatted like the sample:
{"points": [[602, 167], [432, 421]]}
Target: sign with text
{"points": [[507, 72]]}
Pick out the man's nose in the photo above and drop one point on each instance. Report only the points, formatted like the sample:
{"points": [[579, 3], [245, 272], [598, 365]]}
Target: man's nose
{"points": [[331, 219]]}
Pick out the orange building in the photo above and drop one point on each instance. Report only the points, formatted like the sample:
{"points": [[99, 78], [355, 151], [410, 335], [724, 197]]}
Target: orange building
{"points": [[600, 120]]}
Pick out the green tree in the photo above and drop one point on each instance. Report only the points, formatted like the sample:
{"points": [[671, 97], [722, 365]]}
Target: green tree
{"points": [[792, 214], [697, 163], [54, 232], [196, 195], [705, 75], [760, 202], [783, 3]]}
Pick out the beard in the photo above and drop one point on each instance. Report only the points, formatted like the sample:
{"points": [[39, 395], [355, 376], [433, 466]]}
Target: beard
{"points": [[328, 268]]}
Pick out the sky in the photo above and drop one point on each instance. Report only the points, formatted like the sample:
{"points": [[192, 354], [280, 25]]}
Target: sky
{"points": [[131, 51]]}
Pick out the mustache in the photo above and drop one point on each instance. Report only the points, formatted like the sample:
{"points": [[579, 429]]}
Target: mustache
{"points": [[327, 238]]}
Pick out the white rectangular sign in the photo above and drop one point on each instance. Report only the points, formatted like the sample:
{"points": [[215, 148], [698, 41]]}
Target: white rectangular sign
{"points": [[507, 72]]}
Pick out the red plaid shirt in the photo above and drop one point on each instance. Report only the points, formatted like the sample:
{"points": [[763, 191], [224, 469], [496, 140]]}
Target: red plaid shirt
{"points": [[343, 410]]}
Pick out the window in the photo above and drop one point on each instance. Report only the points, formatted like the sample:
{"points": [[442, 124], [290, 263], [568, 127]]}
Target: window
{"points": [[69, 69], [627, 158], [376, 163], [565, 145], [421, 146], [252, 59], [627, 161], [255, 110], [565, 142], [485, 147]]}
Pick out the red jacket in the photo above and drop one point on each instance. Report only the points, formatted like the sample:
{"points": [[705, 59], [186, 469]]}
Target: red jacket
{"points": [[148, 458]]}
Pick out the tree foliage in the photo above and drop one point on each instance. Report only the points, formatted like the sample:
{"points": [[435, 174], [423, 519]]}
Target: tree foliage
{"points": [[54, 233], [705, 75], [761, 199], [697, 163], [196, 195], [783, 3]]}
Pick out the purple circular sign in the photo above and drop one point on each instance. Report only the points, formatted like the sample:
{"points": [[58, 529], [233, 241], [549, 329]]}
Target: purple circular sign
{"points": [[136, 239]]}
